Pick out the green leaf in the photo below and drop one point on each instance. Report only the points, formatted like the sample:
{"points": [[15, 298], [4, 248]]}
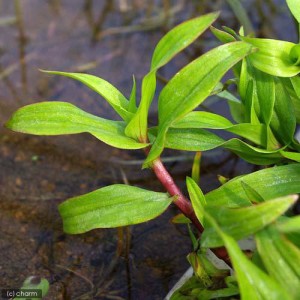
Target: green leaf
{"points": [[289, 225], [197, 198], [192, 85], [294, 8], [276, 255], [283, 113], [252, 194], [170, 45], [35, 283], [222, 36], [201, 119], [132, 100], [270, 183], [253, 283], [292, 86], [242, 222], [57, 118], [196, 167], [112, 206], [180, 219], [179, 38], [273, 57], [291, 155], [111, 94], [201, 140]]}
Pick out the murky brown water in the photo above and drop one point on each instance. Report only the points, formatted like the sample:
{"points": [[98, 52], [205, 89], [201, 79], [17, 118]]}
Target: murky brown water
{"points": [[112, 39]]}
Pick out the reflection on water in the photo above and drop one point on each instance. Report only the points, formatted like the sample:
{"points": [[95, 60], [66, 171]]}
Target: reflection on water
{"points": [[112, 39]]}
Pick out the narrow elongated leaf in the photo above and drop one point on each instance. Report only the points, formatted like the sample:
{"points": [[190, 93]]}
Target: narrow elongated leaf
{"points": [[202, 119], [171, 44], [289, 225], [132, 100], [273, 57], [292, 86], [112, 206], [252, 194], [283, 113], [192, 85], [111, 94], [196, 167], [253, 283], [291, 155], [197, 198], [201, 140], [270, 183], [57, 118], [265, 89], [276, 256], [242, 222], [294, 8], [222, 36]]}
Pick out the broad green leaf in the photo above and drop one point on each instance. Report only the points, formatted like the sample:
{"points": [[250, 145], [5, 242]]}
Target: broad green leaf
{"points": [[57, 118], [276, 256], [289, 225], [192, 85], [294, 8], [201, 140], [197, 198], [222, 36], [201, 119], [270, 183], [112, 206], [242, 222], [170, 45], [273, 57], [253, 283], [111, 94]]}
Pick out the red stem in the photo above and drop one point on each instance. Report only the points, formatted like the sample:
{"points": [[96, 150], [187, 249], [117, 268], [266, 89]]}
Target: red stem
{"points": [[182, 202]]}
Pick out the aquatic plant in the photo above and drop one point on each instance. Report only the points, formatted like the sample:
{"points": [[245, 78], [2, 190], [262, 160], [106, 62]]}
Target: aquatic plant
{"points": [[265, 113]]}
